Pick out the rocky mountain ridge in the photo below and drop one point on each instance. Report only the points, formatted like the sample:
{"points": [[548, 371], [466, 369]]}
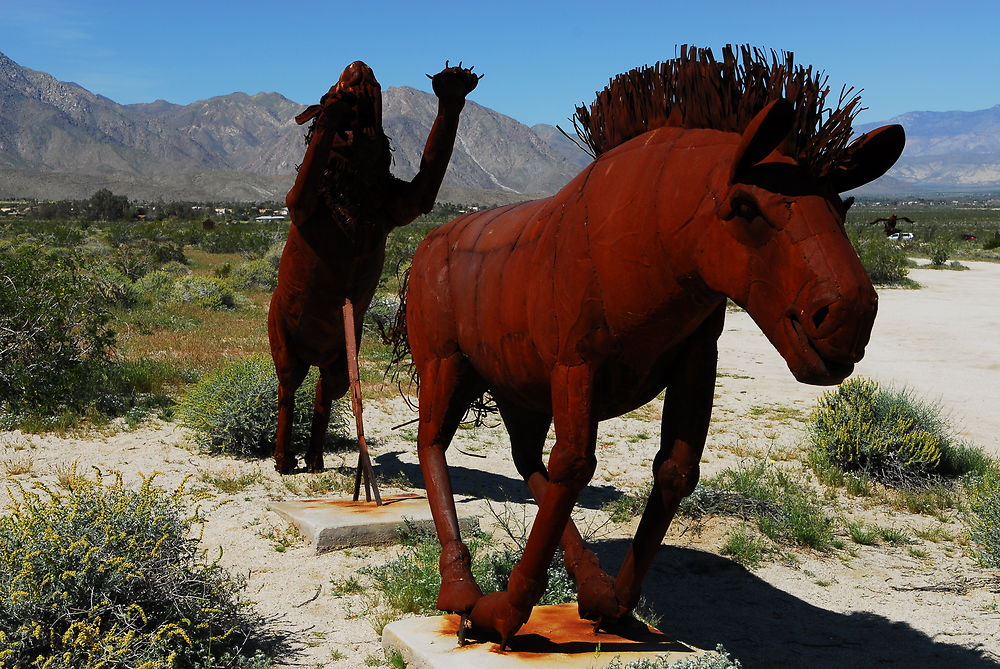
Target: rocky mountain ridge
{"points": [[57, 138]]}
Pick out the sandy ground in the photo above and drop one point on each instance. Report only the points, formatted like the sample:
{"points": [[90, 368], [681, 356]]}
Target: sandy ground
{"points": [[862, 607]]}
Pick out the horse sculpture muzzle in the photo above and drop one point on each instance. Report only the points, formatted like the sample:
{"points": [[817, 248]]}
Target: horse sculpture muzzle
{"points": [[832, 331]]}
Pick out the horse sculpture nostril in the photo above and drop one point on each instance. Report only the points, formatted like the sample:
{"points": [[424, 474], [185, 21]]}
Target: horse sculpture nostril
{"points": [[820, 315]]}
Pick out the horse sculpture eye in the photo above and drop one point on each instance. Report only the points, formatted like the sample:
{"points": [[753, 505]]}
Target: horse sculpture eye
{"points": [[746, 210]]}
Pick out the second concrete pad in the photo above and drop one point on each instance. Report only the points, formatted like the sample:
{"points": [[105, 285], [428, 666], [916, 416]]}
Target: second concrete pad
{"points": [[331, 523]]}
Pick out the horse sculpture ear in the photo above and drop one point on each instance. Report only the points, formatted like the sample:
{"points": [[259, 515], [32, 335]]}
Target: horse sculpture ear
{"points": [[869, 157], [763, 135]]}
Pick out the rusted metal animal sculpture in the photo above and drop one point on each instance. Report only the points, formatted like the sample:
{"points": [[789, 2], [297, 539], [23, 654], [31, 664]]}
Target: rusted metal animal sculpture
{"points": [[343, 205], [890, 223], [713, 179]]}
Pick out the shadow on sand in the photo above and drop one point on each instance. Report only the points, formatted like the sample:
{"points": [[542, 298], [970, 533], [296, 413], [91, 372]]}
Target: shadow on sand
{"points": [[706, 599], [495, 487]]}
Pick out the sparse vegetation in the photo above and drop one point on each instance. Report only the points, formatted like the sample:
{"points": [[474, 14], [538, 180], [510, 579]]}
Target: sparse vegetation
{"points": [[720, 659], [982, 519], [100, 575], [785, 508], [235, 410], [409, 584]]}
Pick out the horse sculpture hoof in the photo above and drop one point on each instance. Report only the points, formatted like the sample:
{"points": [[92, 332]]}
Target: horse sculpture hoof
{"points": [[495, 617], [459, 595], [596, 599]]}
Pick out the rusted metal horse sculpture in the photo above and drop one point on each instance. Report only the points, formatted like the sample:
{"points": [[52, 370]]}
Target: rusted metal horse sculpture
{"points": [[708, 184], [343, 205]]}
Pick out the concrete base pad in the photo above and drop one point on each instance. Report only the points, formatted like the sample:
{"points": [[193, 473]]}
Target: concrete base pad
{"points": [[331, 523], [554, 636]]}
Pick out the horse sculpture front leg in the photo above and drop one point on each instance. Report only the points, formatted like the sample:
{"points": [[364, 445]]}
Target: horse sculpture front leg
{"points": [[595, 589], [687, 410], [571, 467]]}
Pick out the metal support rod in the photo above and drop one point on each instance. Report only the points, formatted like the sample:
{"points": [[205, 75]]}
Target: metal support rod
{"points": [[364, 470]]}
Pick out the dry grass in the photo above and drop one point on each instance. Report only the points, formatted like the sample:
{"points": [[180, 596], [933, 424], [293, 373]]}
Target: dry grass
{"points": [[21, 463]]}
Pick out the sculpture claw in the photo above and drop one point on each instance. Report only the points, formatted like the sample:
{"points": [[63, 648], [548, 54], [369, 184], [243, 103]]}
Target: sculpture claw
{"points": [[464, 623]]}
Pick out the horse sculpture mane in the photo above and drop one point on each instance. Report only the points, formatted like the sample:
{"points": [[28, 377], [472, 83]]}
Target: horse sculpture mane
{"points": [[695, 90]]}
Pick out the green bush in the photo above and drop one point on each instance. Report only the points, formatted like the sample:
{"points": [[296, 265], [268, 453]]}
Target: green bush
{"points": [[204, 292], [105, 576], [235, 410], [885, 262], [940, 250], [55, 336], [888, 434], [175, 268], [114, 287], [254, 275], [991, 243], [156, 287], [982, 517]]}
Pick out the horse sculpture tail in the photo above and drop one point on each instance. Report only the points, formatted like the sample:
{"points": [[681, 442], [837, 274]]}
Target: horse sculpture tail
{"points": [[394, 334], [401, 367]]}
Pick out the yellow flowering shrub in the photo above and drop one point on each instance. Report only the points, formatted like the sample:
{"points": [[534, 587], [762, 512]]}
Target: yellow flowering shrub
{"points": [[102, 576]]}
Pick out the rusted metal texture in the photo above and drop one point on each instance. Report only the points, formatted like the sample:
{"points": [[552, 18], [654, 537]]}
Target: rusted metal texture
{"points": [[712, 180]]}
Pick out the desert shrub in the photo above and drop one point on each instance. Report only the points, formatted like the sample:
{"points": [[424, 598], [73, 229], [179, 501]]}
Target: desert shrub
{"points": [[721, 659], [380, 314], [106, 576], [940, 250], [254, 275], [251, 240], [175, 268], [113, 286], [991, 243], [235, 410], [885, 262], [54, 332], [155, 287], [204, 292], [982, 517], [888, 434], [273, 253]]}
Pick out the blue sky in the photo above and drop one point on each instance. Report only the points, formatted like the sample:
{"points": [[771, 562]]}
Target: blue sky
{"points": [[540, 59]]}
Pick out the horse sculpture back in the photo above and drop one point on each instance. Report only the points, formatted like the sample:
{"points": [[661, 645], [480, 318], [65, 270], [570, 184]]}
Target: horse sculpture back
{"points": [[586, 305]]}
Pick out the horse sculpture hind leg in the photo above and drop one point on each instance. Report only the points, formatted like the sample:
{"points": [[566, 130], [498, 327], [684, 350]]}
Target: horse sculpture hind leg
{"points": [[687, 410], [291, 374], [331, 385], [595, 589], [571, 466]]}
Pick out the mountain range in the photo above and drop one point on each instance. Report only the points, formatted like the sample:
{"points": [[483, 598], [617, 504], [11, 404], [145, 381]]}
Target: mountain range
{"points": [[59, 140]]}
